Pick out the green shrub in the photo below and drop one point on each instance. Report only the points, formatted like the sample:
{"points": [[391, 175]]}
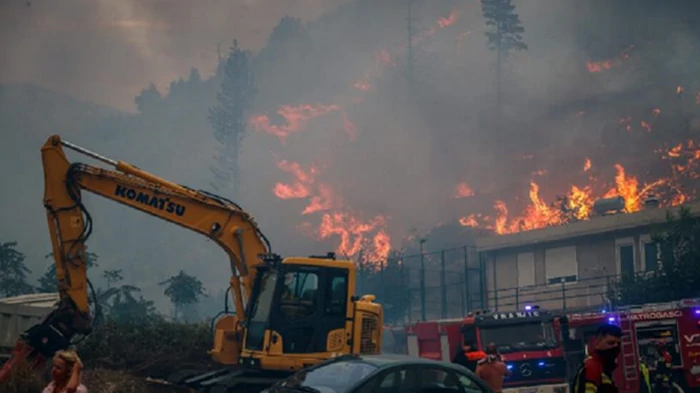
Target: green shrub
{"points": [[152, 347]]}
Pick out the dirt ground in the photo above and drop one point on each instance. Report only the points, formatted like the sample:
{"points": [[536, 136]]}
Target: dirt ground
{"points": [[24, 380]]}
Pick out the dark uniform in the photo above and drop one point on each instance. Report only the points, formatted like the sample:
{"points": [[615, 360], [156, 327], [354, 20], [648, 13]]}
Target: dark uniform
{"points": [[594, 377], [468, 359], [662, 379]]}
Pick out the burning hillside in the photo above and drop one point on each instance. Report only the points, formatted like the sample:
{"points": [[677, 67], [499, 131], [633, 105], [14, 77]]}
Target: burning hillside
{"points": [[330, 214], [578, 201], [357, 233]]}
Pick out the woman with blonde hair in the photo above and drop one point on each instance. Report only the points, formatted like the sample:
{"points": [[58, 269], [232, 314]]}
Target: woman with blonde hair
{"points": [[65, 374]]}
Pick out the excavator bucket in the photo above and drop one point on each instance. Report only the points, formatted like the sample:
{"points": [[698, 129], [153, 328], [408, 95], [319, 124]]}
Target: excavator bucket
{"points": [[22, 353]]}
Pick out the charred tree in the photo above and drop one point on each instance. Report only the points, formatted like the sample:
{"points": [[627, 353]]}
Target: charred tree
{"points": [[228, 117], [504, 36]]}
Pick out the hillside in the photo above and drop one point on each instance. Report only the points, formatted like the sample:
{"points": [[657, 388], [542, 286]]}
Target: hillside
{"points": [[385, 160]]}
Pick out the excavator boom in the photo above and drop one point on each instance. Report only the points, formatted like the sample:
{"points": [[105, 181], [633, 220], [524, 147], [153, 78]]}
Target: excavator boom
{"points": [[70, 224], [289, 313]]}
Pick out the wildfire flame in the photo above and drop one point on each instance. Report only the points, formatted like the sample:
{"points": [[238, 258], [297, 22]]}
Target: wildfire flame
{"points": [[451, 19], [463, 190], [295, 117], [578, 202], [354, 234], [600, 66], [367, 238]]}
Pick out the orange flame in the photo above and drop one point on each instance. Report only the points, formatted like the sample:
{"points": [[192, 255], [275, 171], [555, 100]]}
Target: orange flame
{"points": [[463, 190], [353, 235], [295, 117], [297, 189], [600, 66], [451, 19], [577, 204]]}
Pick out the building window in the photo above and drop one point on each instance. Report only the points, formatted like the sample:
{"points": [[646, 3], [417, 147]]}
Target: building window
{"points": [[650, 253], [526, 269], [624, 255], [560, 265], [627, 259]]}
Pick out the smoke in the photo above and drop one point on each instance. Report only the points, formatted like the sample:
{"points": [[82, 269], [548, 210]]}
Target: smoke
{"points": [[407, 150], [105, 52]]}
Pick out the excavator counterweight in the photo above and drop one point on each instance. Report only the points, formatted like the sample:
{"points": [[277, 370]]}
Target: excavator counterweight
{"points": [[290, 313]]}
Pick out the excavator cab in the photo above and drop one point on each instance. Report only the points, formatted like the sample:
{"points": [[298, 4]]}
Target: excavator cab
{"points": [[301, 311]]}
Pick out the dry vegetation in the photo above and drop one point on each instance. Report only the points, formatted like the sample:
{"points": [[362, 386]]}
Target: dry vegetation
{"points": [[22, 380], [119, 356]]}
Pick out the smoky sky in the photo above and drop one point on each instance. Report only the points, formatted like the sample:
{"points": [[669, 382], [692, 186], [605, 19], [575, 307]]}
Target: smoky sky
{"points": [[407, 157], [106, 51]]}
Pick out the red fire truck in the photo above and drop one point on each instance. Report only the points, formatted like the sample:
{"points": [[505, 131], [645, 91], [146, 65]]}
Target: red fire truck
{"points": [[543, 350], [676, 324], [529, 342]]}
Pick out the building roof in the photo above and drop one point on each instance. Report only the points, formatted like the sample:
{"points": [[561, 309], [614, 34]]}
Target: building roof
{"points": [[42, 300], [594, 226]]}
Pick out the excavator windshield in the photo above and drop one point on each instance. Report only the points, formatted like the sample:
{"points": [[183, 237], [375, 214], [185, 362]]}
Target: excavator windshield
{"points": [[262, 299], [301, 303]]}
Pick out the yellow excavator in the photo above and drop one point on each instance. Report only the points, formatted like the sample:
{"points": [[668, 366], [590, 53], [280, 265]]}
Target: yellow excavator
{"points": [[289, 313]]}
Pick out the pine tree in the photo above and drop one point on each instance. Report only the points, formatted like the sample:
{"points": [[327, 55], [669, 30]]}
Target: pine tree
{"points": [[13, 271], [229, 117], [504, 35], [147, 98]]}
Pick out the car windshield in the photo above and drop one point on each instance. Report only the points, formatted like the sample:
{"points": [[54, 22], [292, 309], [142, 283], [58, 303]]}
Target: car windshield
{"points": [[336, 377], [526, 337]]}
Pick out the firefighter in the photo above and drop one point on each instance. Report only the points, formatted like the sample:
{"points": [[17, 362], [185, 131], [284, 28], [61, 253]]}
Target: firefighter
{"points": [[468, 355], [662, 379], [492, 370], [645, 382], [595, 374]]}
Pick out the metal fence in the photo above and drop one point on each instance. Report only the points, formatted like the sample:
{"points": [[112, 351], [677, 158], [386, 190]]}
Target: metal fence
{"points": [[583, 294], [431, 285], [449, 283]]}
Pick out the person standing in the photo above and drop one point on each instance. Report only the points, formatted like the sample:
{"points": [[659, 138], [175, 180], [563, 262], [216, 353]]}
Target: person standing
{"points": [[492, 369], [65, 374], [662, 380], [595, 375]]}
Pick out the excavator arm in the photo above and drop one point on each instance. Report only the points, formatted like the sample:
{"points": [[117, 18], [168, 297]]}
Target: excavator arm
{"points": [[221, 220]]}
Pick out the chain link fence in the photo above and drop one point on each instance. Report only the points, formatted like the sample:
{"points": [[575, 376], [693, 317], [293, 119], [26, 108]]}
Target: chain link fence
{"points": [[450, 283]]}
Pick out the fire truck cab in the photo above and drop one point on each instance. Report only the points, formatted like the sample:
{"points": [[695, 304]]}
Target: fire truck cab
{"points": [[530, 342], [676, 324]]}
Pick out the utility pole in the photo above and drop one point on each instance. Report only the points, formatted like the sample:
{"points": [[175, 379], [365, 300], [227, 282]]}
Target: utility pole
{"points": [[422, 279]]}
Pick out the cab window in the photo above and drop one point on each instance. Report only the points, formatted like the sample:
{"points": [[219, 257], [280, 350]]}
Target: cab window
{"points": [[336, 295], [299, 291]]}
